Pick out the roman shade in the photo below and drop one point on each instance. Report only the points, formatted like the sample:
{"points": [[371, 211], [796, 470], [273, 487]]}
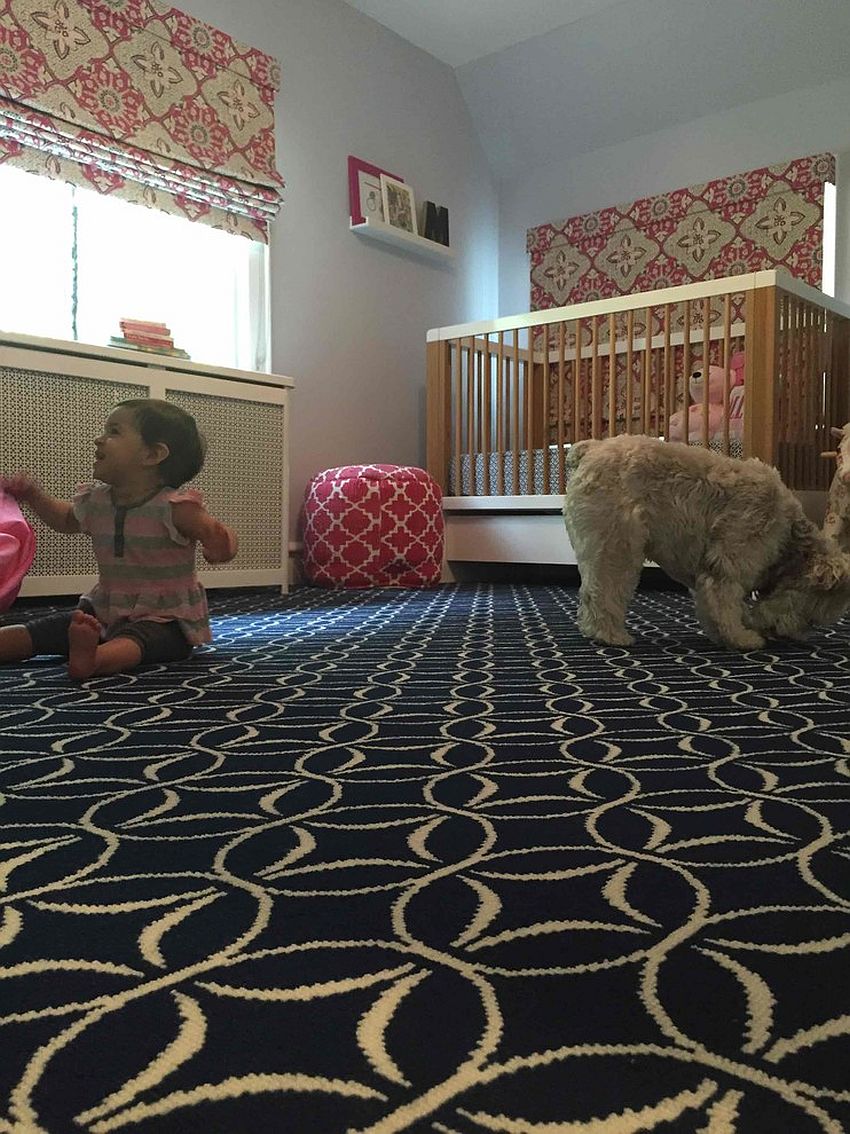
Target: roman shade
{"points": [[139, 100], [768, 218]]}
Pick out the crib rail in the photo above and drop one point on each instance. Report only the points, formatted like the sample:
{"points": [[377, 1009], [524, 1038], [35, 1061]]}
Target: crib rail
{"points": [[811, 388], [506, 398]]}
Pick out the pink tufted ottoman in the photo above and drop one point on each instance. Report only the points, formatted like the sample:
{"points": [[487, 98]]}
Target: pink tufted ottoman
{"points": [[373, 526]]}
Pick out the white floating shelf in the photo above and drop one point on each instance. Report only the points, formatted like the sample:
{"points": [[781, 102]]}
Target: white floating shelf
{"points": [[380, 230]]}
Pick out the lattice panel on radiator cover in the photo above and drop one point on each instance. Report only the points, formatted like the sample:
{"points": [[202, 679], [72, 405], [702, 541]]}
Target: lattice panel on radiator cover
{"points": [[50, 422], [242, 477]]}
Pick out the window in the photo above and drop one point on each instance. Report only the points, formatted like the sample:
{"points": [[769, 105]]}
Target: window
{"points": [[830, 205], [36, 282], [77, 262]]}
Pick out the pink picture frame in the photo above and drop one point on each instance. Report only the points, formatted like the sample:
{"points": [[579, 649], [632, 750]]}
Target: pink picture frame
{"points": [[364, 189]]}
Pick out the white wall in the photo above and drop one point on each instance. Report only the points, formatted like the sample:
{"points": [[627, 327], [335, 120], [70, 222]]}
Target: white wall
{"points": [[766, 132], [349, 317]]}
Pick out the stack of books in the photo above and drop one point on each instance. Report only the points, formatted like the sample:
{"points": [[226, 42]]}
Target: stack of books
{"points": [[138, 334]]}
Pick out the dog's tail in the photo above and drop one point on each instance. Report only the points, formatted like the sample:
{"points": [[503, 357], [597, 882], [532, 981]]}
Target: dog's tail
{"points": [[576, 452]]}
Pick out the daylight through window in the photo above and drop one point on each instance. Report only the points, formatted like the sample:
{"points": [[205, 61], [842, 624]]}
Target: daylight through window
{"points": [[77, 262]]}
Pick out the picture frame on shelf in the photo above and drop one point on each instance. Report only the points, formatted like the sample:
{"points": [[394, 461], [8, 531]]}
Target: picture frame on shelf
{"points": [[365, 198], [399, 204]]}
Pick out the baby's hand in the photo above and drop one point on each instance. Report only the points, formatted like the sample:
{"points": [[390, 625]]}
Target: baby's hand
{"points": [[220, 544], [20, 486]]}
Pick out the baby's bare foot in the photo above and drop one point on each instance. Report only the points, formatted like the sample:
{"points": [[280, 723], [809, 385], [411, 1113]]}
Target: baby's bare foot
{"points": [[83, 640]]}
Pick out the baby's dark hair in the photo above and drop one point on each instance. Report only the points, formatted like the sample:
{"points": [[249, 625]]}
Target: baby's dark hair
{"points": [[168, 424]]}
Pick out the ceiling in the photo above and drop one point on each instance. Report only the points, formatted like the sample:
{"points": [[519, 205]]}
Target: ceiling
{"points": [[548, 78], [458, 31]]}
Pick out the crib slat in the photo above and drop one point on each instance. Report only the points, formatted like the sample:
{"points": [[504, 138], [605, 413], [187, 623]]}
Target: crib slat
{"points": [[783, 364], [612, 375], [803, 379], [706, 358], [630, 370], [562, 361], [687, 363], [500, 409], [825, 341], [727, 377], [817, 389], [529, 412], [839, 368], [595, 380], [486, 424], [789, 367], [544, 402], [821, 428], [457, 360], [762, 320], [515, 412], [816, 379], [470, 415], [646, 409], [508, 407], [790, 379], [578, 424], [793, 389], [832, 408], [669, 394], [808, 405], [799, 388], [803, 387], [800, 382]]}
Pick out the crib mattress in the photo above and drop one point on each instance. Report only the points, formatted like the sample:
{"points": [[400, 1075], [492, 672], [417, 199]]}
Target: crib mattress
{"points": [[530, 473]]}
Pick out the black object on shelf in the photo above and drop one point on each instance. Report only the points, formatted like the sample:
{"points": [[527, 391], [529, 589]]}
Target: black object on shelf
{"points": [[442, 225], [436, 226]]}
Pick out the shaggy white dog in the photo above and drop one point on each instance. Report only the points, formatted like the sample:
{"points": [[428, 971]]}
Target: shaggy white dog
{"points": [[724, 528]]}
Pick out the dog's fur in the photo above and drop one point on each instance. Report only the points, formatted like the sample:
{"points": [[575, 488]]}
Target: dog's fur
{"points": [[837, 520], [724, 528]]}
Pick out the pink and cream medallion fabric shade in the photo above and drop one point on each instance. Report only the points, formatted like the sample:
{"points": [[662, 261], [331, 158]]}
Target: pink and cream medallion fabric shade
{"points": [[137, 99], [767, 218]]}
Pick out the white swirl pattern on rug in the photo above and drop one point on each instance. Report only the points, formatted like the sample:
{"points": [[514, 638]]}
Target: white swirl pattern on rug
{"points": [[388, 861]]}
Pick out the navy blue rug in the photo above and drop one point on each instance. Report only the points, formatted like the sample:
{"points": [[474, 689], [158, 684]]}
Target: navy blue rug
{"points": [[429, 861]]}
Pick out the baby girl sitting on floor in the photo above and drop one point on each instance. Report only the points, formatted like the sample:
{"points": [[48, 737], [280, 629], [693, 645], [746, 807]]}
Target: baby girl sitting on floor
{"points": [[148, 605]]}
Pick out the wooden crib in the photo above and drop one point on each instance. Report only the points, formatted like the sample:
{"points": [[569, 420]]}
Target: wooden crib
{"points": [[507, 398]]}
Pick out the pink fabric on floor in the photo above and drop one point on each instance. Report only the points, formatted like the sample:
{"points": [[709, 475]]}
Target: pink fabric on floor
{"points": [[17, 548]]}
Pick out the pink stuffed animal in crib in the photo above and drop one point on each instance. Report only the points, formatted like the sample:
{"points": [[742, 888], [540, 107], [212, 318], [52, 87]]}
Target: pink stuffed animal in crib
{"points": [[716, 384]]}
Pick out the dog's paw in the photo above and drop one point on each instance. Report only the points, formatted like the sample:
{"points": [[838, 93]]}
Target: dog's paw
{"points": [[711, 633], [746, 640], [801, 637], [612, 637]]}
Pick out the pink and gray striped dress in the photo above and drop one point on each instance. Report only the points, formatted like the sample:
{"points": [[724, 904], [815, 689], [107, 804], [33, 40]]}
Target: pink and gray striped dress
{"points": [[147, 568]]}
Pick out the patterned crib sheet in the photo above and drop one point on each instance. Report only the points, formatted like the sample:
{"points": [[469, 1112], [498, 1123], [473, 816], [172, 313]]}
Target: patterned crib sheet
{"points": [[530, 474]]}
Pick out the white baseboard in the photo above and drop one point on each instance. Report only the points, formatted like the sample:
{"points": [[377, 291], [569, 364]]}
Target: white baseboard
{"points": [[296, 553]]}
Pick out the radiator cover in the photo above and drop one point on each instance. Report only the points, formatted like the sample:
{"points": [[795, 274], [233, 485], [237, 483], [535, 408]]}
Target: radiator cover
{"points": [[53, 404]]}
